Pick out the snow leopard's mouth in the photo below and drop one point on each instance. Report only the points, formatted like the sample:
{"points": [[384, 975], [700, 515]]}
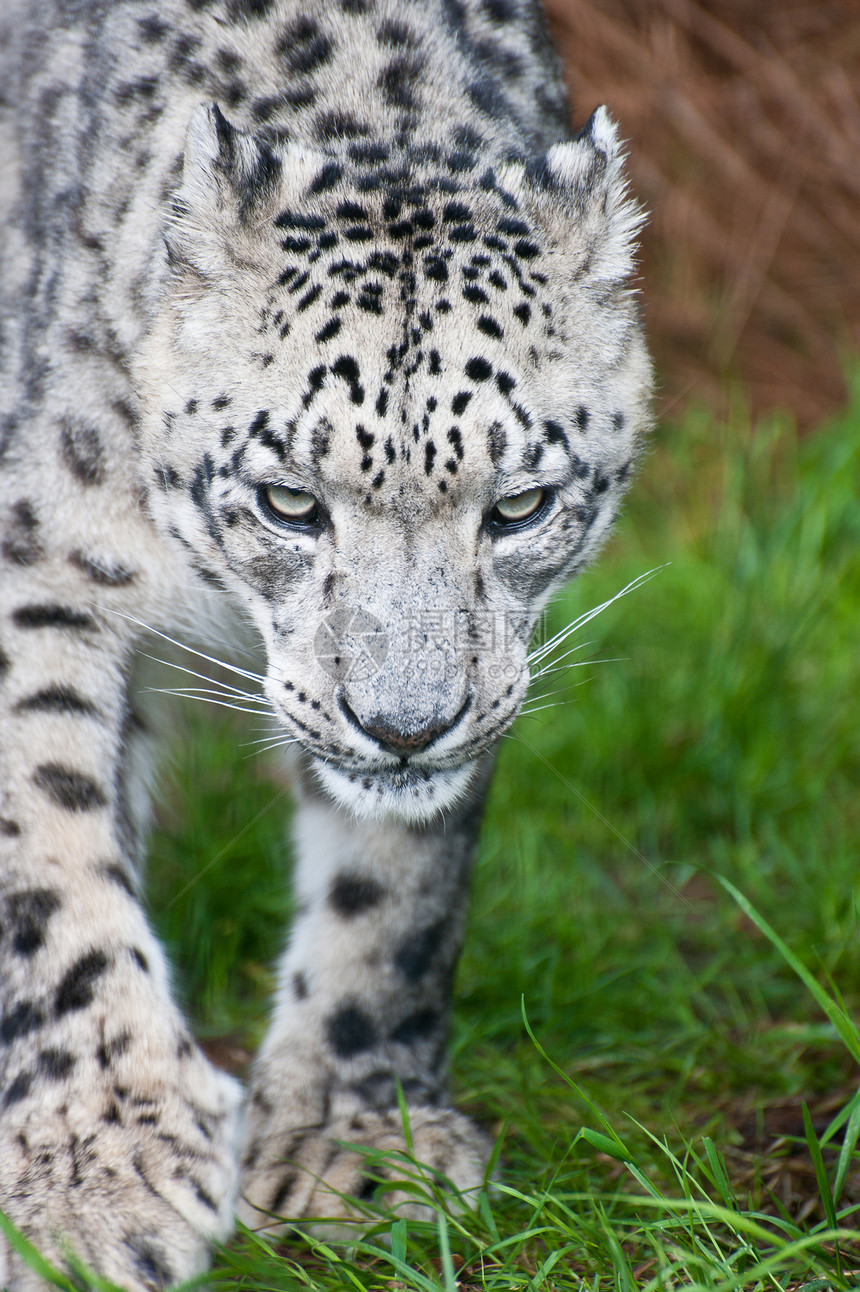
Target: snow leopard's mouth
{"points": [[403, 792]]}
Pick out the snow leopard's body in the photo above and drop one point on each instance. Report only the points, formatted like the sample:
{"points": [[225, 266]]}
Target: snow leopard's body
{"points": [[385, 278]]}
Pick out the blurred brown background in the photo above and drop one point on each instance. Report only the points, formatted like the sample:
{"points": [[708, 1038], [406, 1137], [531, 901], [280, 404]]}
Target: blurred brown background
{"points": [[743, 121]]}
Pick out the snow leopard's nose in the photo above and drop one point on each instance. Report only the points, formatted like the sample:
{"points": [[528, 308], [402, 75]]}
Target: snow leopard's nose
{"points": [[390, 735]]}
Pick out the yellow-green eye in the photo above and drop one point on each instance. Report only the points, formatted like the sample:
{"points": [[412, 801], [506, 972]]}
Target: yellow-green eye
{"points": [[293, 505], [518, 507]]}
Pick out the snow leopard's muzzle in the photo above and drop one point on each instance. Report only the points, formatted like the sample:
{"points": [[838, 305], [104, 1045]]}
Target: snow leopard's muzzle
{"points": [[416, 692]]}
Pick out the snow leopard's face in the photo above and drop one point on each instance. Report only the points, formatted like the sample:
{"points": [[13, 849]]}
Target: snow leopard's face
{"points": [[393, 416]]}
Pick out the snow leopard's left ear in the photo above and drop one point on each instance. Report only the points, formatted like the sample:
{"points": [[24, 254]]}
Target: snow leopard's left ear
{"points": [[581, 187]]}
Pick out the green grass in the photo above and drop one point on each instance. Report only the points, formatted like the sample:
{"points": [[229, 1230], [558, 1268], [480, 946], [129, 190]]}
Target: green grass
{"points": [[637, 1035]]}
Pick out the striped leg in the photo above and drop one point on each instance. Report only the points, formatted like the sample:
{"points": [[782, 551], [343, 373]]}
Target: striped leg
{"points": [[115, 1133], [363, 999]]}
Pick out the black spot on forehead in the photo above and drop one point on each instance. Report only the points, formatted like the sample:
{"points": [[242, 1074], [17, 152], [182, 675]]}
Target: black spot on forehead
{"points": [[435, 268], [555, 433], [331, 329], [303, 47], [461, 161], [398, 80], [478, 369], [455, 212], [358, 233], [350, 210], [396, 34], [369, 154], [488, 325], [298, 283], [346, 368], [429, 456], [237, 9], [487, 96], [152, 29], [497, 442], [296, 244], [512, 227], [309, 298], [339, 125], [462, 233], [298, 220], [330, 175]]}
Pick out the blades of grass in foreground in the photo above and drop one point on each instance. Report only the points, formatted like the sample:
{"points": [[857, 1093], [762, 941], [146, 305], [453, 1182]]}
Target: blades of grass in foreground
{"points": [[32, 1256], [846, 1028], [821, 1178], [609, 1142], [849, 1143]]}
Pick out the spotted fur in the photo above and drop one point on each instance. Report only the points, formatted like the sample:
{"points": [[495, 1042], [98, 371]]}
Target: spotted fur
{"points": [[347, 249]]}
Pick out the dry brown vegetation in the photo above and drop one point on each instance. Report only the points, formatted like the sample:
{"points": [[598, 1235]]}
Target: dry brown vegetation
{"points": [[743, 121]]}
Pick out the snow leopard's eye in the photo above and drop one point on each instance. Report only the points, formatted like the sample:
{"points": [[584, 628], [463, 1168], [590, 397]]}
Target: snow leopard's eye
{"points": [[518, 508], [294, 506]]}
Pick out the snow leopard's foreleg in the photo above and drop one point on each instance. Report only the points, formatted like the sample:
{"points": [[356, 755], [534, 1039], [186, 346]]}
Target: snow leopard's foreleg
{"points": [[362, 1004], [116, 1135]]}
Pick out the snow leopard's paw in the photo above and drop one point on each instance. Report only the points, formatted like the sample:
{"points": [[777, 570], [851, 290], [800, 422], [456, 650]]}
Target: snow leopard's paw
{"points": [[311, 1172], [133, 1176]]}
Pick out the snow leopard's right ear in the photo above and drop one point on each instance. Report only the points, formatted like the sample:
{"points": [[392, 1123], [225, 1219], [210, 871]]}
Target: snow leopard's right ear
{"points": [[226, 175], [229, 178]]}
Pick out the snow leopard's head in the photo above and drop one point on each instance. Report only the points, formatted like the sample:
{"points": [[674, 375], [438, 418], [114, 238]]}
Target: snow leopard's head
{"points": [[391, 408]]}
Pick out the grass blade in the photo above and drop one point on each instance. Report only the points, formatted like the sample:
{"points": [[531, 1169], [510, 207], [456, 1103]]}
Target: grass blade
{"points": [[845, 1026]]}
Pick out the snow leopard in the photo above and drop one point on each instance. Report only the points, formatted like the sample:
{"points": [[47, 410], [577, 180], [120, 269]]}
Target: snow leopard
{"points": [[316, 313]]}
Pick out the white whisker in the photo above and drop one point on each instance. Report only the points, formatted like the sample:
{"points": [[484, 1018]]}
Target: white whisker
{"points": [[211, 659], [202, 691], [268, 749], [222, 704], [579, 663], [556, 704], [226, 687], [561, 636], [572, 651], [547, 695]]}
